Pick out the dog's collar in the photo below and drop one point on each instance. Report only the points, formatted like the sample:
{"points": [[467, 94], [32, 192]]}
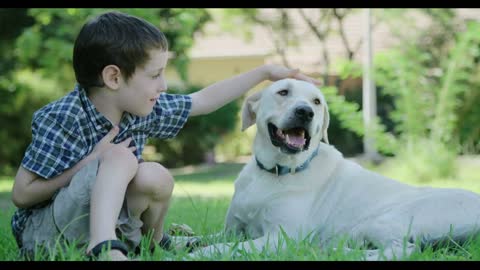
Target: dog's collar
{"points": [[282, 170]]}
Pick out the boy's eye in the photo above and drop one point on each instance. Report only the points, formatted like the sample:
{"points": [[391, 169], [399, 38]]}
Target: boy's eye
{"points": [[156, 76], [283, 92]]}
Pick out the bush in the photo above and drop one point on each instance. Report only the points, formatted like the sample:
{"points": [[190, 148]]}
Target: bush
{"points": [[16, 114]]}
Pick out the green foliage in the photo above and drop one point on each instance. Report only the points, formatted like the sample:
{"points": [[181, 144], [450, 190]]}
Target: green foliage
{"points": [[48, 44], [350, 118], [36, 66], [16, 110], [236, 143], [427, 159], [462, 74], [429, 91], [230, 19], [347, 69], [198, 137]]}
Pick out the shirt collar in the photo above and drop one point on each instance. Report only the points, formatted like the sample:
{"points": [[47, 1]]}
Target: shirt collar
{"points": [[97, 118]]}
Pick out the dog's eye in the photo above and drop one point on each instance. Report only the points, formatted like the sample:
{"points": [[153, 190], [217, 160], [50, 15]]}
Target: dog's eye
{"points": [[283, 92], [317, 101]]}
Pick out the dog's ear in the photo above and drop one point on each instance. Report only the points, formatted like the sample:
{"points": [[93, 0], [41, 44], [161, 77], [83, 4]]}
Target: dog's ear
{"points": [[249, 110], [326, 122]]}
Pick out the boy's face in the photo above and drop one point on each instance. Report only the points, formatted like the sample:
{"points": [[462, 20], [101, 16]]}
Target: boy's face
{"points": [[140, 93]]}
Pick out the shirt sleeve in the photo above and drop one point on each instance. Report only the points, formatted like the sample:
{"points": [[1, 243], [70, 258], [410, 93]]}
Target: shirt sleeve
{"points": [[171, 114], [54, 147]]}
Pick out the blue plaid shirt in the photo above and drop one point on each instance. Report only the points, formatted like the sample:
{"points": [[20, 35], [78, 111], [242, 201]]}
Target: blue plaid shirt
{"points": [[66, 130]]}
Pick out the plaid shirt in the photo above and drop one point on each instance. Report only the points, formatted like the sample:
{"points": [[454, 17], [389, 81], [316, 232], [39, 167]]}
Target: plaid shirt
{"points": [[66, 130]]}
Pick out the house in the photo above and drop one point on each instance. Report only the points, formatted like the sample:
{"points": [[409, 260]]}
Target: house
{"points": [[217, 54]]}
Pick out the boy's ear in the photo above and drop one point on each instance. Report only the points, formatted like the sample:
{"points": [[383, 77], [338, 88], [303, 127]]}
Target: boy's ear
{"points": [[111, 76], [249, 110]]}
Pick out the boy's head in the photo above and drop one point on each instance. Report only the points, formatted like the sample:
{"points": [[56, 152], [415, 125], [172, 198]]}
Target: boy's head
{"points": [[114, 38]]}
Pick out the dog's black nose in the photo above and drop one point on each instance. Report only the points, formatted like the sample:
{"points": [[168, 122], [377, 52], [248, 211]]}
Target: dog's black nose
{"points": [[305, 113]]}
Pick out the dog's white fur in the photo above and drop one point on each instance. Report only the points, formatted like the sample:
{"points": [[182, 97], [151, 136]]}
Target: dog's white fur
{"points": [[333, 196]]}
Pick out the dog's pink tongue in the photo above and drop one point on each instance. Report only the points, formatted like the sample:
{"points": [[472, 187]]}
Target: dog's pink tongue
{"points": [[296, 140]]}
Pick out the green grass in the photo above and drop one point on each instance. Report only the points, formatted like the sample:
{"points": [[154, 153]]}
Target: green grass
{"points": [[201, 198], [467, 176]]}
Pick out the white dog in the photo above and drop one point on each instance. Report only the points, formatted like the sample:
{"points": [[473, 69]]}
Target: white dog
{"points": [[299, 184]]}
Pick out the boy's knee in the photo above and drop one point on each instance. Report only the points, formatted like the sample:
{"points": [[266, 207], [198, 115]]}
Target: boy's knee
{"points": [[155, 180], [122, 157]]}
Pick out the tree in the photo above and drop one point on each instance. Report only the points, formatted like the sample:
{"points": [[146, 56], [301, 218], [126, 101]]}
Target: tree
{"points": [[36, 64], [431, 79], [282, 27]]}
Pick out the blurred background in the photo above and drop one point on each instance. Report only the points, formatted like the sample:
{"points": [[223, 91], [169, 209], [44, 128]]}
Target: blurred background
{"points": [[425, 75]]}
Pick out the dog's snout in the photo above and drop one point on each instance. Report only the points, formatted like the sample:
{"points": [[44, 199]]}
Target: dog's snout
{"points": [[304, 113]]}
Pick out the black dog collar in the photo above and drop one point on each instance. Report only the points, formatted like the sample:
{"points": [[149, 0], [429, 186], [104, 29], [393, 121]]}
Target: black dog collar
{"points": [[282, 170]]}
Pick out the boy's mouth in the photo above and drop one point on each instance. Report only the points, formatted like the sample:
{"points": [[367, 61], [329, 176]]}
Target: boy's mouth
{"points": [[155, 98]]}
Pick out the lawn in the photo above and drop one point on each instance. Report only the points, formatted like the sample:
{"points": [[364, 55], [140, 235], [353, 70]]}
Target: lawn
{"points": [[201, 198]]}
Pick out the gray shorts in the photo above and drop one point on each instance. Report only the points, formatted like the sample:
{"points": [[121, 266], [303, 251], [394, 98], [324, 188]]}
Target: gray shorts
{"points": [[66, 218]]}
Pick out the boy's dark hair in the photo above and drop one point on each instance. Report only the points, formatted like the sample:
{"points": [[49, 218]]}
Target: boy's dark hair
{"points": [[113, 38]]}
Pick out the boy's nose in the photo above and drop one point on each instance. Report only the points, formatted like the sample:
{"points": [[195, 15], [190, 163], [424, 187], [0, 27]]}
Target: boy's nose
{"points": [[162, 87]]}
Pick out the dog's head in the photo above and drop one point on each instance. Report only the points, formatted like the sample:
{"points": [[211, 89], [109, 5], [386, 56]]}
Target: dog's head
{"points": [[292, 114]]}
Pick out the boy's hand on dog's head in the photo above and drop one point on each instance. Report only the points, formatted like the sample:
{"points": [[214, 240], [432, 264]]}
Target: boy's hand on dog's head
{"points": [[106, 143], [276, 73]]}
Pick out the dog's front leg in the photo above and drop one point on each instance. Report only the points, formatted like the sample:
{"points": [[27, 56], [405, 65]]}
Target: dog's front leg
{"points": [[269, 242]]}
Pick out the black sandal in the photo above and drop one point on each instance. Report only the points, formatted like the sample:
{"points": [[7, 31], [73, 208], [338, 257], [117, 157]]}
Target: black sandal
{"points": [[105, 245]]}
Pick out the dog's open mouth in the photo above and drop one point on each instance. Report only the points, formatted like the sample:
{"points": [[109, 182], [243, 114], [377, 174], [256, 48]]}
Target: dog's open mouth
{"points": [[290, 141]]}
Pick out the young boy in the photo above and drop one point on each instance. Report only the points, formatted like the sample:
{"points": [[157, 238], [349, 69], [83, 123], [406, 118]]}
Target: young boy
{"points": [[82, 178]]}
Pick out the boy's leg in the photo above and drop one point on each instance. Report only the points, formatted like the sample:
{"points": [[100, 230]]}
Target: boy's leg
{"points": [[148, 197], [117, 168], [63, 220]]}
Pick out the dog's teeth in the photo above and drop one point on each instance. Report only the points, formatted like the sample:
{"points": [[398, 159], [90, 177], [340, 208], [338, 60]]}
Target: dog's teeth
{"points": [[280, 133], [287, 139]]}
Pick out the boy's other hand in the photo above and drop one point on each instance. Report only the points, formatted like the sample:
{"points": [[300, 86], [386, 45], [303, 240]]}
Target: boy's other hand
{"points": [[106, 143], [276, 73]]}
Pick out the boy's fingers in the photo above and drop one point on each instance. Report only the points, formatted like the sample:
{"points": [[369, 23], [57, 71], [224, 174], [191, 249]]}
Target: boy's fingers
{"points": [[308, 79], [111, 134], [126, 142], [294, 72]]}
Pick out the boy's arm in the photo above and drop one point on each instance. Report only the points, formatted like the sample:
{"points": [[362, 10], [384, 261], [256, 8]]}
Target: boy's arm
{"points": [[219, 94], [30, 189]]}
